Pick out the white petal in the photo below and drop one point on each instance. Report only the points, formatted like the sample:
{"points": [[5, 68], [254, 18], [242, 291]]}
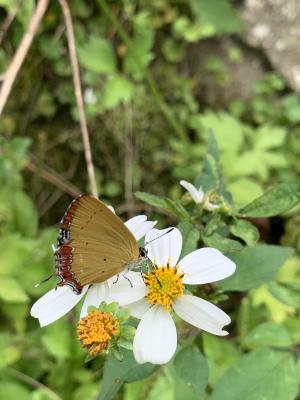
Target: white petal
{"points": [[206, 265], [97, 293], [210, 206], [144, 228], [56, 303], [202, 314], [139, 308], [196, 194], [128, 288], [155, 340], [135, 222], [165, 249]]}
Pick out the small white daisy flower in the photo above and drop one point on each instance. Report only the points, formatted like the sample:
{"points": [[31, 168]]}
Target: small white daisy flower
{"points": [[198, 195], [59, 301], [163, 291]]}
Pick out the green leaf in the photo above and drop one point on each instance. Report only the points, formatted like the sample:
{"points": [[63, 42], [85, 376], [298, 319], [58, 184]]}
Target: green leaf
{"points": [[11, 291], [190, 237], [18, 212], [117, 90], [139, 54], [211, 177], [220, 355], [172, 207], [10, 390], [219, 15], [255, 265], [245, 231], [191, 367], [10, 353], [57, 341], [118, 372], [225, 245], [286, 292], [97, 55], [267, 334], [274, 202], [262, 374]]}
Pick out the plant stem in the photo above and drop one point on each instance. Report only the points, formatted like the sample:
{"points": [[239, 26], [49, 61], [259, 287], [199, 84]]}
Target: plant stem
{"points": [[164, 107], [12, 71], [78, 94]]}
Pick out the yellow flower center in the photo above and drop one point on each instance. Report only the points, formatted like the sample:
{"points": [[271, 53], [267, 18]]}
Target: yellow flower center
{"points": [[96, 330], [164, 284]]}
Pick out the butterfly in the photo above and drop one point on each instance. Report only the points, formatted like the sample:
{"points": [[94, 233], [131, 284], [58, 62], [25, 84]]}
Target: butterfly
{"points": [[93, 244]]}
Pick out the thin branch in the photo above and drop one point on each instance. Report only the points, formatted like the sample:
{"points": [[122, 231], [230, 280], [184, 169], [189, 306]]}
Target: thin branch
{"points": [[50, 176], [78, 93], [18, 59], [157, 96], [33, 383], [129, 157]]}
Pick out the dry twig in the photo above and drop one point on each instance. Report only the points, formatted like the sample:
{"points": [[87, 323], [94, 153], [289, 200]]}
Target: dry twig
{"points": [[17, 61], [78, 93], [50, 176]]}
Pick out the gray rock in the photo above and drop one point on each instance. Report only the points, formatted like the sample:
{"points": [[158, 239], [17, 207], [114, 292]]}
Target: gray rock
{"points": [[232, 78], [274, 26]]}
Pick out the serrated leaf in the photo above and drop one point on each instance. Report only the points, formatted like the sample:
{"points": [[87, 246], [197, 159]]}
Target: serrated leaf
{"points": [[262, 374], [274, 202], [138, 53], [245, 231], [97, 55], [211, 177], [255, 266], [117, 90]]}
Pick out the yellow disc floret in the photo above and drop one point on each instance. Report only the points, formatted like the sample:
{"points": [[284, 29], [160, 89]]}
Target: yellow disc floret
{"points": [[164, 284], [96, 331]]}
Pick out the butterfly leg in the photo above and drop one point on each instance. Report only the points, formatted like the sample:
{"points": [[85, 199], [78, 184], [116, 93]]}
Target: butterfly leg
{"points": [[116, 281], [126, 277]]}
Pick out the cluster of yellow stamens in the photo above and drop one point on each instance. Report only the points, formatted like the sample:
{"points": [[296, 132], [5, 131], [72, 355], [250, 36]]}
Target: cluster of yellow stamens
{"points": [[164, 284], [96, 331]]}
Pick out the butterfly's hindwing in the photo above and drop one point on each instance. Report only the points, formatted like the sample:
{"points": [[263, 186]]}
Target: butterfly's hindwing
{"points": [[93, 244]]}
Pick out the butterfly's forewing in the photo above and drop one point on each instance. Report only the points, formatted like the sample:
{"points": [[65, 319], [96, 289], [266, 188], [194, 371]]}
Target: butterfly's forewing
{"points": [[94, 243]]}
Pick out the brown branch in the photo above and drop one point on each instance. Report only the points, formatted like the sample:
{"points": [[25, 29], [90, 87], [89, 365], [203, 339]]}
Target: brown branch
{"points": [[17, 61], [78, 93], [53, 178]]}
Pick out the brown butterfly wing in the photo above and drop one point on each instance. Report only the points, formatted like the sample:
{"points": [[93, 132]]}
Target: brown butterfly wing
{"points": [[101, 243]]}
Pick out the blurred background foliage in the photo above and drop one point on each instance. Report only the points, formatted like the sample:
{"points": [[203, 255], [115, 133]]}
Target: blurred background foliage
{"points": [[154, 84]]}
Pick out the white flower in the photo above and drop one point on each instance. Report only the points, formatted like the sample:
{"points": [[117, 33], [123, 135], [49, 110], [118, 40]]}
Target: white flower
{"points": [[163, 291], [198, 195], [58, 302], [89, 96]]}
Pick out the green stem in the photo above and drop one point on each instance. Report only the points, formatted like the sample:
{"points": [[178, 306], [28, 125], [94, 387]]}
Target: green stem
{"points": [[164, 107]]}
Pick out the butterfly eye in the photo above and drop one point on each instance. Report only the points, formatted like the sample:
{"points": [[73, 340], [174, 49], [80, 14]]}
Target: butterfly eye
{"points": [[143, 252]]}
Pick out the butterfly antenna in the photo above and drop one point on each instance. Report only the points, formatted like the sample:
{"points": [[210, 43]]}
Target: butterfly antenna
{"points": [[44, 280], [158, 237]]}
